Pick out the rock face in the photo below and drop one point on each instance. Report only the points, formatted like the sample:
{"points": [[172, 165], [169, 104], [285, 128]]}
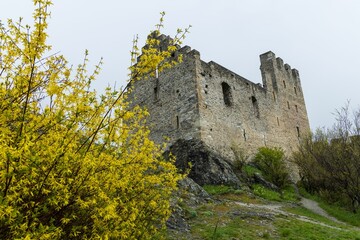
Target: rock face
{"points": [[195, 193], [207, 167], [259, 179], [190, 192]]}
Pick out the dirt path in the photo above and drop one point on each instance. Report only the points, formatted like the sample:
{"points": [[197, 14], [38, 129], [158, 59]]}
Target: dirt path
{"points": [[314, 207], [276, 209]]}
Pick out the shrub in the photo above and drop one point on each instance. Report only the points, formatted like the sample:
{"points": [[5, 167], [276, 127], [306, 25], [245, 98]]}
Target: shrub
{"points": [[328, 160], [75, 164], [271, 161]]}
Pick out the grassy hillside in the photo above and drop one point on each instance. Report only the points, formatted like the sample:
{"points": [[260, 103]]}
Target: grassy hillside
{"points": [[235, 214]]}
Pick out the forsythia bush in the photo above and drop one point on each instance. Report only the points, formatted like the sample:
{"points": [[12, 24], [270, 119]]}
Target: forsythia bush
{"points": [[73, 164]]}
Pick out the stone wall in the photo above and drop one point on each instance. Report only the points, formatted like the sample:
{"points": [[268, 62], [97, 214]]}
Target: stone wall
{"points": [[205, 101], [171, 100], [270, 115]]}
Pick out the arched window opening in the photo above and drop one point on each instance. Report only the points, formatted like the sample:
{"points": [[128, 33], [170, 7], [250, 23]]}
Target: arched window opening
{"points": [[295, 91], [227, 94], [255, 106]]}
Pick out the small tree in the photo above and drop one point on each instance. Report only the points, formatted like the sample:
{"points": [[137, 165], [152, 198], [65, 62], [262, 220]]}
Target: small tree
{"points": [[75, 164], [271, 161], [329, 160]]}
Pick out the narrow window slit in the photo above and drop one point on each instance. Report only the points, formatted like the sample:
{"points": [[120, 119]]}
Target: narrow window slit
{"points": [[226, 89]]}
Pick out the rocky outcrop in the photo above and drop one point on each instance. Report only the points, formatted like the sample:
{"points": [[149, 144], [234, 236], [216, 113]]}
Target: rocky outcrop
{"points": [[191, 193], [258, 178], [207, 167]]}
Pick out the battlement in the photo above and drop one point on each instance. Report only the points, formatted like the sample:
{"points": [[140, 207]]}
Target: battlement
{"points": [[269, 61]]}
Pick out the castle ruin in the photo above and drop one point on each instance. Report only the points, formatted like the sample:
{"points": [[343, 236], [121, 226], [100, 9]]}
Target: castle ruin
{"points": [[207, 102]]}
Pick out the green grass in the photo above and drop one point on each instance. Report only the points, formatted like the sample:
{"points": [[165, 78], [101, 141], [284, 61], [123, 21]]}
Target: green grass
{"points": [[341, 214], [228, 220], [308, 213], [335, 210], [288, 194], [217, 221], [250, 170], [261, 191], [300, 230]]}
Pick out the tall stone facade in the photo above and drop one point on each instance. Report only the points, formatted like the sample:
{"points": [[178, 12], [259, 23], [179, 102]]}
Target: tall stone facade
{"points": [[207, 102]]}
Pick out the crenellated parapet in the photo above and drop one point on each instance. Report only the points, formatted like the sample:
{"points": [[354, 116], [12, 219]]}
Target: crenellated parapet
{"points": [[278, 76]]}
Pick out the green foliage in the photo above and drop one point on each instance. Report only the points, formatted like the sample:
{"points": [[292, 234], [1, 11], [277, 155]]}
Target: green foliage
{"points": [[250, 170], [75, 164], [289, 194], [271, 162], [329, 161], [191, 213]]}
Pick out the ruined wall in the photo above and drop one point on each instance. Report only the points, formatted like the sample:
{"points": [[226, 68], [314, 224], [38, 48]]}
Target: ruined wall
{"points": [[205, 101], [238, 122], [237, 114]]}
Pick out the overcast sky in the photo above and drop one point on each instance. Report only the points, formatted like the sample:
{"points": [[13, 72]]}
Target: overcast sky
{"points": [[320, 38]]}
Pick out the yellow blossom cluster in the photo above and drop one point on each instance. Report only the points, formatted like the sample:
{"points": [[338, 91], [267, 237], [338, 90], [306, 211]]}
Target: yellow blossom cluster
{"points": [[75, 164]]}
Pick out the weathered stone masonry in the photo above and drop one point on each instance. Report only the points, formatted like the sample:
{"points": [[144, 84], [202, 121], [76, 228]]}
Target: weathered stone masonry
{"points": [[207, 102]]}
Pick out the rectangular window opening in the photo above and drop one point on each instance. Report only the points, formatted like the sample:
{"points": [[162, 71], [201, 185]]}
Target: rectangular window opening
{"points": [[156, 93], [177, 122], [255, 106], [298, 131]]}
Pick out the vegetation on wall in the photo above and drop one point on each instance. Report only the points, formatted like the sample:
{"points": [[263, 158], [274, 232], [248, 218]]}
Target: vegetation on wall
{"points": [[73, 163]]}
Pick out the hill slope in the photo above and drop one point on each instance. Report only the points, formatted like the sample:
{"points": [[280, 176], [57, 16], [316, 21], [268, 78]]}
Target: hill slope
{"points": [[238, 214]]}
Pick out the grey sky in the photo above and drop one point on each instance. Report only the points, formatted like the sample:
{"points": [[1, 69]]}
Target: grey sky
{"points": [[320, 38]]}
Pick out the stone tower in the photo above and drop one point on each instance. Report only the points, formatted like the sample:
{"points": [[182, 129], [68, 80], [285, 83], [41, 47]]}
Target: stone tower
{"points": [[207, 102]]}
